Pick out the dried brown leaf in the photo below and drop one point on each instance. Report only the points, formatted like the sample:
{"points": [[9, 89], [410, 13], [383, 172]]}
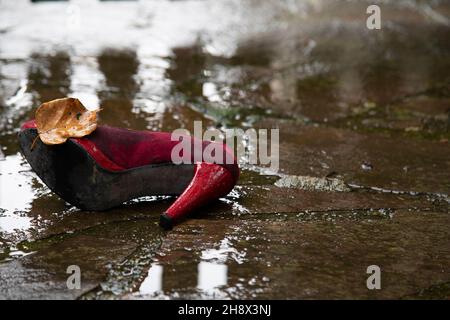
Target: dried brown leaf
{"points": [[60, 119]]}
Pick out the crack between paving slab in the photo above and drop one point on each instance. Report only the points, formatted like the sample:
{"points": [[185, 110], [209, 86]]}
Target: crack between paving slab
{"points": [[287, 215], [435, 195]]}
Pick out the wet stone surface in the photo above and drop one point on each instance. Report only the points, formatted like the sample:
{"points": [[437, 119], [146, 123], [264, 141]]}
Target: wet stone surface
{"points": [[278, 257], [364, 119], [43, 274], [370, 160]]}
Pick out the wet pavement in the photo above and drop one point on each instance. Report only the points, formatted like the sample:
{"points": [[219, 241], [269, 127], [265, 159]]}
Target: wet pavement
{"points": [[364, 119]]}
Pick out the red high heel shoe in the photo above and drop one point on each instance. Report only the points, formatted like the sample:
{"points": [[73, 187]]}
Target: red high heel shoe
{"points": [[114, 165]]}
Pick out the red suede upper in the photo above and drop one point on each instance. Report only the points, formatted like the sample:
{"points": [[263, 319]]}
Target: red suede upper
{"points": [[118, 149]]}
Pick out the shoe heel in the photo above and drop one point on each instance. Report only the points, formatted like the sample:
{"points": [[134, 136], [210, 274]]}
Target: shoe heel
{"points": [[210, 182]]}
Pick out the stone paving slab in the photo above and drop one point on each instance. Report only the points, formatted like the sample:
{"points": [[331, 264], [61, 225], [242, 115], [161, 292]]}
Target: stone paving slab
{"points": [[257, 200], [42, 275], [369, 160], [305, 259]]}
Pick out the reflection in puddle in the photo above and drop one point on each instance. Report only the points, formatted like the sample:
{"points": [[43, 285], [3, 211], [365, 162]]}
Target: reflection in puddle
{"points": [[49, 76], [211, 275], [211, 278], [11, 222], [16, 195], [16, 192], [153, 283], [118, 90], [85, 81], [21, 98]]}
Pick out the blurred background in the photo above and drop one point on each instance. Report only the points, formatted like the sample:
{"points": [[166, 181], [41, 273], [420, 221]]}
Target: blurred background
{"points": [[367, 108]]}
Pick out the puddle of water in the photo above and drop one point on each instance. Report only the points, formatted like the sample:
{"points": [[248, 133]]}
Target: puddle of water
{"points": [[224, 252], [86, 81], [201, 272], [153, 283], [211, 276], [16, 184], [25, 203], [12, 222]]}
